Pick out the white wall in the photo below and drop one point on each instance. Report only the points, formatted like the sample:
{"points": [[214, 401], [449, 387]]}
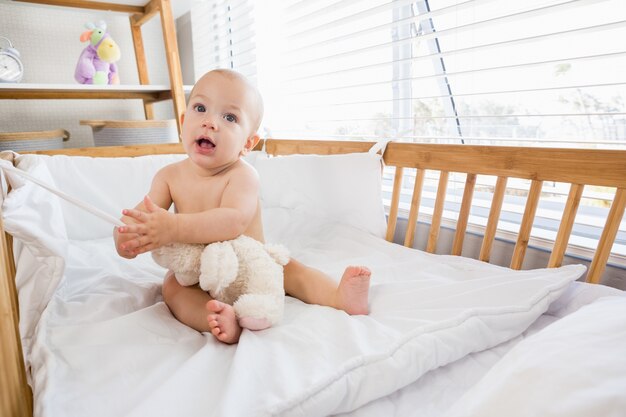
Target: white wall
{"points": [[48, 40], [185, 48]]}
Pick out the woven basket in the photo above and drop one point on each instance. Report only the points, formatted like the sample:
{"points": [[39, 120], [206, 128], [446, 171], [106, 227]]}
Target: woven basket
{"points": [[33, 141], [132, 132]]}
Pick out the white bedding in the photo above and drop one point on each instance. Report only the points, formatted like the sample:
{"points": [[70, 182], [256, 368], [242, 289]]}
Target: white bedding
{"points": [[106, 334], [105, 343]]}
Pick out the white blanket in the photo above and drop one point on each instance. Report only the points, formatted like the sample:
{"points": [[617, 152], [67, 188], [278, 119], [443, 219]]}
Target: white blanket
{"points": [[106, 334], [572, 368], [463, 384]]}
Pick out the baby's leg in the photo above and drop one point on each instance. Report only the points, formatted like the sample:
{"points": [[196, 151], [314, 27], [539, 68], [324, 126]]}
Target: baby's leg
{"points": [[314, 287], [195, 308]]}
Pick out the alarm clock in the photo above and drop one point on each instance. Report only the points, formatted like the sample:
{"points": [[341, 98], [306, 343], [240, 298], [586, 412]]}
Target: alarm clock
{"points": [[11, 68]]}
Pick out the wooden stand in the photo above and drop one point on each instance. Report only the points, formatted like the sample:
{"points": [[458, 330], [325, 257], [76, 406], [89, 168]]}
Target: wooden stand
{"points": [[149, 94]]}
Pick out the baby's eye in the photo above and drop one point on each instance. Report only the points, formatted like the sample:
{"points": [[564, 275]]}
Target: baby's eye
{"points": [[230, 118], [199, 108]]}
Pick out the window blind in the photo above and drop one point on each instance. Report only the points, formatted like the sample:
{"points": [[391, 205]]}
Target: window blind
{"points": [[487, 72], [224, 36], [538, 72]]}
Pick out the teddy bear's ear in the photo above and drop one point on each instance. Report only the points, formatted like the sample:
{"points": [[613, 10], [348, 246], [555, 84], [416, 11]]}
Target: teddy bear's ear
{"points": [[102, 25], [90, 26], [279, 253]]}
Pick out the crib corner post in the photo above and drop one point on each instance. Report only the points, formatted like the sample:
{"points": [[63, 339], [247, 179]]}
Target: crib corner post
{"points": [[14, 390]]}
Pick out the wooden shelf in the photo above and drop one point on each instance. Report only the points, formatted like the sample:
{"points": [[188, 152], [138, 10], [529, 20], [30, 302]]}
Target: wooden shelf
{"points": [[140, 12], [150, 93], [113, 6]]}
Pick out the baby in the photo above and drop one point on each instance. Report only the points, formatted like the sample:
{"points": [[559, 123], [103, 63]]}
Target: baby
{"points": [[216, 197]]}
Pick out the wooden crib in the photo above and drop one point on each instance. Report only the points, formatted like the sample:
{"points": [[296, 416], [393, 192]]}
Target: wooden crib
{"points": [[572, 166]]}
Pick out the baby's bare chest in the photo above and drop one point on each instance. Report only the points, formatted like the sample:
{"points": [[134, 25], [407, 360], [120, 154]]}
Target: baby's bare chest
{"points": [[200, 195]]}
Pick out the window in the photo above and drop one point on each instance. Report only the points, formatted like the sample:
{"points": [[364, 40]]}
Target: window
{"points": [[505, 72], [480, 72], [224, 36]]}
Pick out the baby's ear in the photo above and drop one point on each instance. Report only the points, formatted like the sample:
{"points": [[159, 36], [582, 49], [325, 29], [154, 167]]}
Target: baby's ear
{"points": [[252, 142]]}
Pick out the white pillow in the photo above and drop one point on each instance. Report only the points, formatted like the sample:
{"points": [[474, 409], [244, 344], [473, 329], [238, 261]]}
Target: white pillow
{"points": [[339, 188], [111, 184], [574, 367]]}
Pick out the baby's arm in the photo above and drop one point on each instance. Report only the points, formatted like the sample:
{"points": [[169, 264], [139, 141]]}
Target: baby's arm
{"points": [[156, 227], [159, 195]]}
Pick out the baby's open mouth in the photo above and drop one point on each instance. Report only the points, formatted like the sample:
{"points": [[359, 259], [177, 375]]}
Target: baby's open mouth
{"points": [[205, 143]]}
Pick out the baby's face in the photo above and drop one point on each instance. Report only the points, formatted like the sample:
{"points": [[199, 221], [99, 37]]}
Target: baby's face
{"points": [[219, 121]]}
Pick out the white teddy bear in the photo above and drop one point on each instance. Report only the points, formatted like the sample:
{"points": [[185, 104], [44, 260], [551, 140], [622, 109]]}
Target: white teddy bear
{"points": [[242, 272]]}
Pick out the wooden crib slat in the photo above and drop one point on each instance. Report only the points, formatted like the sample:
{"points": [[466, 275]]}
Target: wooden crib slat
{"points": [[607, 239], [527, 223], [395, 202], [10, 254], [435, 225], [14, 390], [567, 223], [492, 222], [461, 224], [415, 205]]}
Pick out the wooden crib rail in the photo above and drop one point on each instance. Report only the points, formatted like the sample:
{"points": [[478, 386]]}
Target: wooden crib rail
{"points": [[576, 167]]}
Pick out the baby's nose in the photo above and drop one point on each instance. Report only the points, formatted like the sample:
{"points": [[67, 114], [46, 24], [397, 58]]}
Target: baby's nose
{"points": [[209, 122]]}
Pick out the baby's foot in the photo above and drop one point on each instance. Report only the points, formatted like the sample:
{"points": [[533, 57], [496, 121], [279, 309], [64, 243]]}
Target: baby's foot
{"points": [[223, 322], [353, 290]]}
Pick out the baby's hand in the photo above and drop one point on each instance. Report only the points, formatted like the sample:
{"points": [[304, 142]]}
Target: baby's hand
{"points": [[152, 229], [121, 240]]}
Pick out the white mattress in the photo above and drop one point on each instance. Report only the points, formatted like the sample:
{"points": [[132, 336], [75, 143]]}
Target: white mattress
{"points": [[107, 345]]}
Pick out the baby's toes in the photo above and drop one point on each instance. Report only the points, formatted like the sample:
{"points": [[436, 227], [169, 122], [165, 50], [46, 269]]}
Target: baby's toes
{"points": [[222, 337]]}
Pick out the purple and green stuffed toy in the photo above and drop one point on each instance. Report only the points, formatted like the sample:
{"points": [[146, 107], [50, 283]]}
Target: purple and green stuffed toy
{"points": [[96, 64]]}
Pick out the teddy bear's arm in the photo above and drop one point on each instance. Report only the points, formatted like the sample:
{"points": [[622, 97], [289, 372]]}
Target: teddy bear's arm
{"points": [[183, 259]]}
